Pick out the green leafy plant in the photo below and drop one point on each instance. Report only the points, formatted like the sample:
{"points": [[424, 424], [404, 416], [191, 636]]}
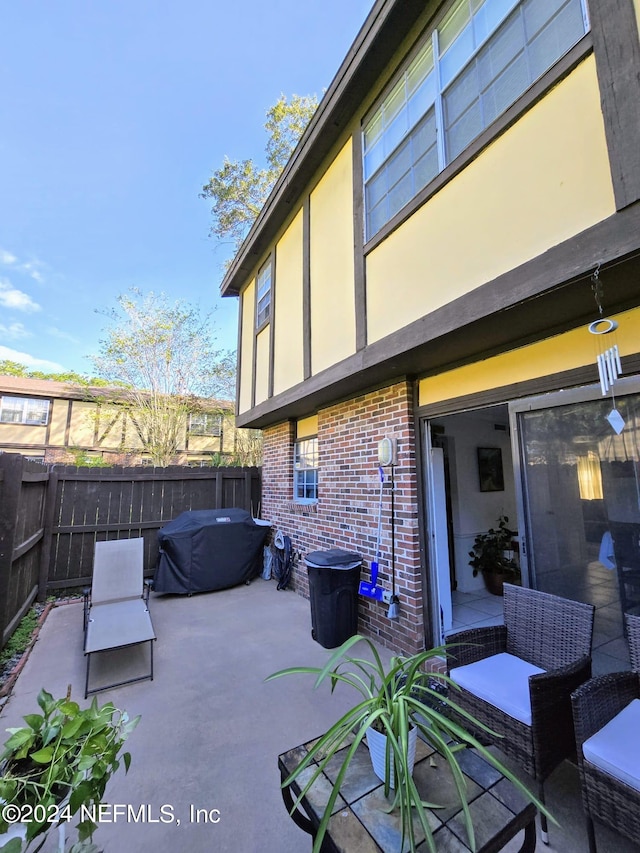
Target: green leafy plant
{"points": [[61, 761], [83, 459], [493, 551], [20, 638], [393, 701]]}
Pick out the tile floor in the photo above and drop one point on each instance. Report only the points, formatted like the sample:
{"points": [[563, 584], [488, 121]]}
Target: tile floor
{"points": [[475, 609], [596, 585]]}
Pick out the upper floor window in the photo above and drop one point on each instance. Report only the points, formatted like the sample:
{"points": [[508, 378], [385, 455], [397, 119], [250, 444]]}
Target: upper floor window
{"points": [[24, 410], [478, 61], [305, 470], [205, 423], [263, 309]]}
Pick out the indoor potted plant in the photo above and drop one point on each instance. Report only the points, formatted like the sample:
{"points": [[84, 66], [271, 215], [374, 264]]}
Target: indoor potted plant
{"points": [[494, 556], [59, 762], [395, 701]]}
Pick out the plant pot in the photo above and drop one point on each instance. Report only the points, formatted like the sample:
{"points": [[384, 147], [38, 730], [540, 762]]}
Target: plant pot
{"points": [[377, 743], [494, 581]]}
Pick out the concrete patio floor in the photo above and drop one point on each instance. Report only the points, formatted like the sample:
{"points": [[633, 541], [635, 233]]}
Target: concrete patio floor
{"points": [[211, 729]]}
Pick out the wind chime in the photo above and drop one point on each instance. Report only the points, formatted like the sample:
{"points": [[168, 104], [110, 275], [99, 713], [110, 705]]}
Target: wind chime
{"points": [[608, 358]]}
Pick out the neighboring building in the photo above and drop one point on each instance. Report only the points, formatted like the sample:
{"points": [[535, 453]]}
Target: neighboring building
{"points": [[426, 269], [60, 422]]}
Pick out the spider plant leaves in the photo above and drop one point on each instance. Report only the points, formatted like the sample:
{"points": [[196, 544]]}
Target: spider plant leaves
{"points": [[394, 698]]}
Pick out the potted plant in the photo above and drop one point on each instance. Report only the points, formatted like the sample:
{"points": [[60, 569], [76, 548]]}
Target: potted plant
{"points": [[59, 763], [493, 555], [394, 701]]}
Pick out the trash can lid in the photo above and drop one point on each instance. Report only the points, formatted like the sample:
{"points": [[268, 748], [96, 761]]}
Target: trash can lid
{"points": [[334, 558]]}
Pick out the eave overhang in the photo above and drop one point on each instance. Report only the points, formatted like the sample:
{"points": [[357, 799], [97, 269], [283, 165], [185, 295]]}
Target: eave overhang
{"points": [[541, 298], [388, 23]]}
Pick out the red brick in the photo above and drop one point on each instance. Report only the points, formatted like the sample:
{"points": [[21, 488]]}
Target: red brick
{"points": [[346, 513]]}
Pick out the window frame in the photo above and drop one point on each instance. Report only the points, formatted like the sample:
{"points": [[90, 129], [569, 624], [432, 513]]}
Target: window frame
{"points": [[298, 470], [206, 416], [263, 315], [447, 168], [27, 403]]}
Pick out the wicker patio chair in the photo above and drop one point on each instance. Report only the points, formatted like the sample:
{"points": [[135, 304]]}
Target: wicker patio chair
{"points": [[517, 678], [606, 713], [626, 550]]}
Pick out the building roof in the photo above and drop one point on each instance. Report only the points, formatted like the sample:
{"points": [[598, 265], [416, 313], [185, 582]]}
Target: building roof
{"points": [[386, 25], [26, 386]]}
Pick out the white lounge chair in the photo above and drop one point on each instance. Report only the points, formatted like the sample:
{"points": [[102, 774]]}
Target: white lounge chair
{"points": [[116, 609]]}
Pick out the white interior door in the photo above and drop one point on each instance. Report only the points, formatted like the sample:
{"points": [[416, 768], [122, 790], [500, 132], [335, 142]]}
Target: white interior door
{"points": [[439, 544]]}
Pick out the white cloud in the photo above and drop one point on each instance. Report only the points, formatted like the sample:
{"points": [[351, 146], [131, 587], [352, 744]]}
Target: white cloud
{"points": [[11, 297], [63, 336], [14, 331], [31, 268], [30, 360], [7, 257]]}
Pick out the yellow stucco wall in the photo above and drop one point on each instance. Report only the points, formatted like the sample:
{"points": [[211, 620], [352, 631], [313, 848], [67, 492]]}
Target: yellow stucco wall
{"points": [[288, 366], [544, 180], [262, 365], [307, 426], [82, 426], [332, 265], [247, 309], [58, 425], [132, 439], [562, 352], [22, 433], [228, 433], [636, 4], [109, 420], [201, 443]]}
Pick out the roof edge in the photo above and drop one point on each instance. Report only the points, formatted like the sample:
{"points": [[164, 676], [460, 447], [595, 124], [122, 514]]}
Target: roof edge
{"points": [[386, 24]]}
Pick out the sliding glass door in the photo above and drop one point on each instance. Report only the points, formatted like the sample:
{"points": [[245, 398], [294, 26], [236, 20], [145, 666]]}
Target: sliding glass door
{"points": [[580, 498]]}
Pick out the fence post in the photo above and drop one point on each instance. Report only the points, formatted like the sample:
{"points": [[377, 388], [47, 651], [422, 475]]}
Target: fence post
{"points": [[10, 486], [219, 498], [248, 503], [47, 523]]}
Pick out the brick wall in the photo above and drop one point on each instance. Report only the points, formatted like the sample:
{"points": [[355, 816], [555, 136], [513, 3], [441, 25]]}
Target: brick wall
{"points": [[346, 515]]}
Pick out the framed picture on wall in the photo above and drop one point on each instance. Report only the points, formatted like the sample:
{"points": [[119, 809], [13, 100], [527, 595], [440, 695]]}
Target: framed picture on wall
{"points": [[490, 469]]}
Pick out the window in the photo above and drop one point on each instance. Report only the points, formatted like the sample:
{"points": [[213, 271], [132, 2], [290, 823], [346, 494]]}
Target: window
{"points": [[24, 410], [263, 311], [481, 58], [205, 423], [305, 471]]}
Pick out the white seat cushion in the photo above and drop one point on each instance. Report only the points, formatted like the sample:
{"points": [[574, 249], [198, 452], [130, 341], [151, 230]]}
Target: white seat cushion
{"points": [[615, 749], [502, 681]]}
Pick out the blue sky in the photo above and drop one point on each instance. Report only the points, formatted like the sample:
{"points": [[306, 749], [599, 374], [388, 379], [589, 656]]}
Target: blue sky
{"points": [[113, 114]]}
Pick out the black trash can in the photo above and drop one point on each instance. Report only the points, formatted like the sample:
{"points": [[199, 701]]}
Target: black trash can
{"points": [[334, 578]]}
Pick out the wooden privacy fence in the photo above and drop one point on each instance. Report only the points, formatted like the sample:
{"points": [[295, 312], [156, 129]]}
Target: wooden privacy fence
{"points": [[23, 494], [51, 517]]}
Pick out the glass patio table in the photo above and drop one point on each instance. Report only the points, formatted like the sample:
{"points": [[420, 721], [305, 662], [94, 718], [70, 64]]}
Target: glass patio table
{"points": [[361, 824]]}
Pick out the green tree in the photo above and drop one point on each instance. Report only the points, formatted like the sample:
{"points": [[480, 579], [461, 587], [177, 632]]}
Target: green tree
{"points": [[14, 368], [163, 353], [240, 188]]}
